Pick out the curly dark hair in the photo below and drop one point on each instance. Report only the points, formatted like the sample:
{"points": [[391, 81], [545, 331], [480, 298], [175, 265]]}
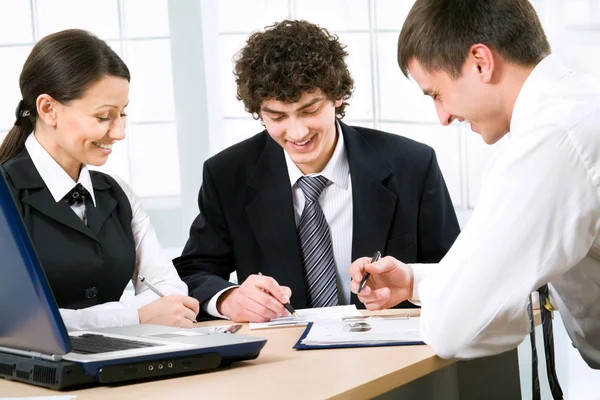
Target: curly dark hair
{"points": [[289, 58]]}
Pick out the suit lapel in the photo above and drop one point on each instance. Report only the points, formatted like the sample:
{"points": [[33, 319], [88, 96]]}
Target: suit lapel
{"points": [[105, 204], [26, 178], [373, 204], [43, 201], [271, 216]]}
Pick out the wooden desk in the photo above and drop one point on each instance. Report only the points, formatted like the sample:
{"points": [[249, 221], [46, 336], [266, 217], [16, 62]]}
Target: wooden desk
{"points": [[281, 372]]}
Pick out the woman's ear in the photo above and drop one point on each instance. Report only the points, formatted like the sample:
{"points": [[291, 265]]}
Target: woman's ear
{"points": [[46, 109]]}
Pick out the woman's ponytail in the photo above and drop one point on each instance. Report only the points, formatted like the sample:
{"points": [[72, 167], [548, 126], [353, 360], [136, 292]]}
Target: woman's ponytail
{"points": [[14, 142]]}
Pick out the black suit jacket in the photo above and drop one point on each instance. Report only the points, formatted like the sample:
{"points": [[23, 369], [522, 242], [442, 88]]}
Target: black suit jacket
{"points": [[401, 207], [85, 265]]}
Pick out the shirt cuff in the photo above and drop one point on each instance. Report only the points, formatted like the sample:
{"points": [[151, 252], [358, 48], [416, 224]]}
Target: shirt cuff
{"points": [[130, 317], [211, 306], [419, 273]]}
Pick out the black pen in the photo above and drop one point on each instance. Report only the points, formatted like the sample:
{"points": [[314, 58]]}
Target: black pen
{"points": [[367, 275], [288, 306]]}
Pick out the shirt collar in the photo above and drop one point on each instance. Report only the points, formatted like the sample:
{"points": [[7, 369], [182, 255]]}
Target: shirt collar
{"points": [[337, 169], [534, 89], [57, 180]]}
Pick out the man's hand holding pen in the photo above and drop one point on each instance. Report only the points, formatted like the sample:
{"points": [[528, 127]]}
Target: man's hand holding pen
{"points": [[390, 282], [259, 299]]}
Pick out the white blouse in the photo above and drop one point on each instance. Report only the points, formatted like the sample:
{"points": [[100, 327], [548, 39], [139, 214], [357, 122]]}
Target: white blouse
{"points": [[150, 259]]}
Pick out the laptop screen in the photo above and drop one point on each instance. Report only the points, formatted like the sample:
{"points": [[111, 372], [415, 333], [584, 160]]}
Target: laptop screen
{"points": [[29, 317]]}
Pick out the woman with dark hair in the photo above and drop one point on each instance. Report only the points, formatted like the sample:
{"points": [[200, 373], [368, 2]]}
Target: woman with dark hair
{"points": [[89, 230]]}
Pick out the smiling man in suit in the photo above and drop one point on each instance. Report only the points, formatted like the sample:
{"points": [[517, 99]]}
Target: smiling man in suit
{"points": [[300, 200]]}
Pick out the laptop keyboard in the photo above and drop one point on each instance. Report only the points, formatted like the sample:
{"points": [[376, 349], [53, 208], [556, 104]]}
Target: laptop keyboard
{"points": [[94, 344]]}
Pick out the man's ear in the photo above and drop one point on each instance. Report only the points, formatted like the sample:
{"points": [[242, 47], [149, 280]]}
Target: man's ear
{"points": [[338, 102], [46, 109], [481, 58]]}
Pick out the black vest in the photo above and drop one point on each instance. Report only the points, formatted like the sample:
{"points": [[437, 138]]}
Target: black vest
{"points": [[85, 265]]}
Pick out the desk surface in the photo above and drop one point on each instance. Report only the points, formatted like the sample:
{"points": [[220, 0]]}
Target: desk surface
{"points": [[279, 371]]}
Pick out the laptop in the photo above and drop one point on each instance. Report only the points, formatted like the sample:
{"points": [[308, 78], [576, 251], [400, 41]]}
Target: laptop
{"points": [[36, 348]]}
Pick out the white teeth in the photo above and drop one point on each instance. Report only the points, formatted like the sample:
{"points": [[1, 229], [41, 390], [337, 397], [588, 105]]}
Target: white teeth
{"points": [[302, 143], [104, 146]]}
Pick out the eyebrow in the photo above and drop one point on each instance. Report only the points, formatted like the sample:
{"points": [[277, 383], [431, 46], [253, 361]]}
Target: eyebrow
{"points": [[111, 106], [312, 102]]}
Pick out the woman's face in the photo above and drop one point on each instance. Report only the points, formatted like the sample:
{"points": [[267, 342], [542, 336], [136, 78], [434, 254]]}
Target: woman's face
{"points": [[86, 128]]}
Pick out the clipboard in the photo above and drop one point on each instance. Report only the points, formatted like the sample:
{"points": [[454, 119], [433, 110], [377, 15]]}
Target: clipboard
{"points": [[300, 346]]}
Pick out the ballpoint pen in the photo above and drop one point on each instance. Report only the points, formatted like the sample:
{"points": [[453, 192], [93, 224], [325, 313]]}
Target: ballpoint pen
{"points": [[367, 275], [233, 328], [287, 306], [150, 286]]}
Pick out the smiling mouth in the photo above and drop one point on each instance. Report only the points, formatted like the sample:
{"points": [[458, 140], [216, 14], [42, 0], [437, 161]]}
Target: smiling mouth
{"points": [[304, 143], [104, 146]]}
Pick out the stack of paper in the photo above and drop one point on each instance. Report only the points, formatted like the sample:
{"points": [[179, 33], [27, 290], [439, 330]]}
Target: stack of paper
{"points": [[374, 330], [307, 315]]}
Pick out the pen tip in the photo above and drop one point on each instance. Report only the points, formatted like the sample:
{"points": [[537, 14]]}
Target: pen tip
{"points": [[295, 315]]}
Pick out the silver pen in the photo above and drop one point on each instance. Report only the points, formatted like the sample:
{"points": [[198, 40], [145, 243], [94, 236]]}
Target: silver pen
{"points": [[150, 286]]}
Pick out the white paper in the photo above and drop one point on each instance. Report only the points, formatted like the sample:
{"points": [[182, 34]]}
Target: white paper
{"points": [[373, 330], [204, 330], [307, 315]]}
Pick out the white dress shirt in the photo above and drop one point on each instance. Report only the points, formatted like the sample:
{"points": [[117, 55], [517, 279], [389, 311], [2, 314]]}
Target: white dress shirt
{"points": [[150, 260], [336, 203], [536, 221]]}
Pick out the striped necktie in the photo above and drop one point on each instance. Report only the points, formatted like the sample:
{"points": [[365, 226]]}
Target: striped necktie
{"points": [[545, 309], [316, 248]]}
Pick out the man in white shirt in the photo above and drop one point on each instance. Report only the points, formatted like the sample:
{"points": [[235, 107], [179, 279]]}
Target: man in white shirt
{"points": [[538, 215], [291, 207]]}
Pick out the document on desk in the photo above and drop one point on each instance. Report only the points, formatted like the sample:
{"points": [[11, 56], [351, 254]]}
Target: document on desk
{"points": [[307, 315], [370, 331], [204, 330]]}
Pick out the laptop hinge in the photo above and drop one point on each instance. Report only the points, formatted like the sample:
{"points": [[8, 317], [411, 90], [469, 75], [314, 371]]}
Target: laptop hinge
{"points": [[32, 354]]}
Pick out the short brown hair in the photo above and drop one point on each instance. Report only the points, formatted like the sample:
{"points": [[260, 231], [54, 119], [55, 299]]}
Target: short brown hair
{"points": [[439, 33], [288, 59]]}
